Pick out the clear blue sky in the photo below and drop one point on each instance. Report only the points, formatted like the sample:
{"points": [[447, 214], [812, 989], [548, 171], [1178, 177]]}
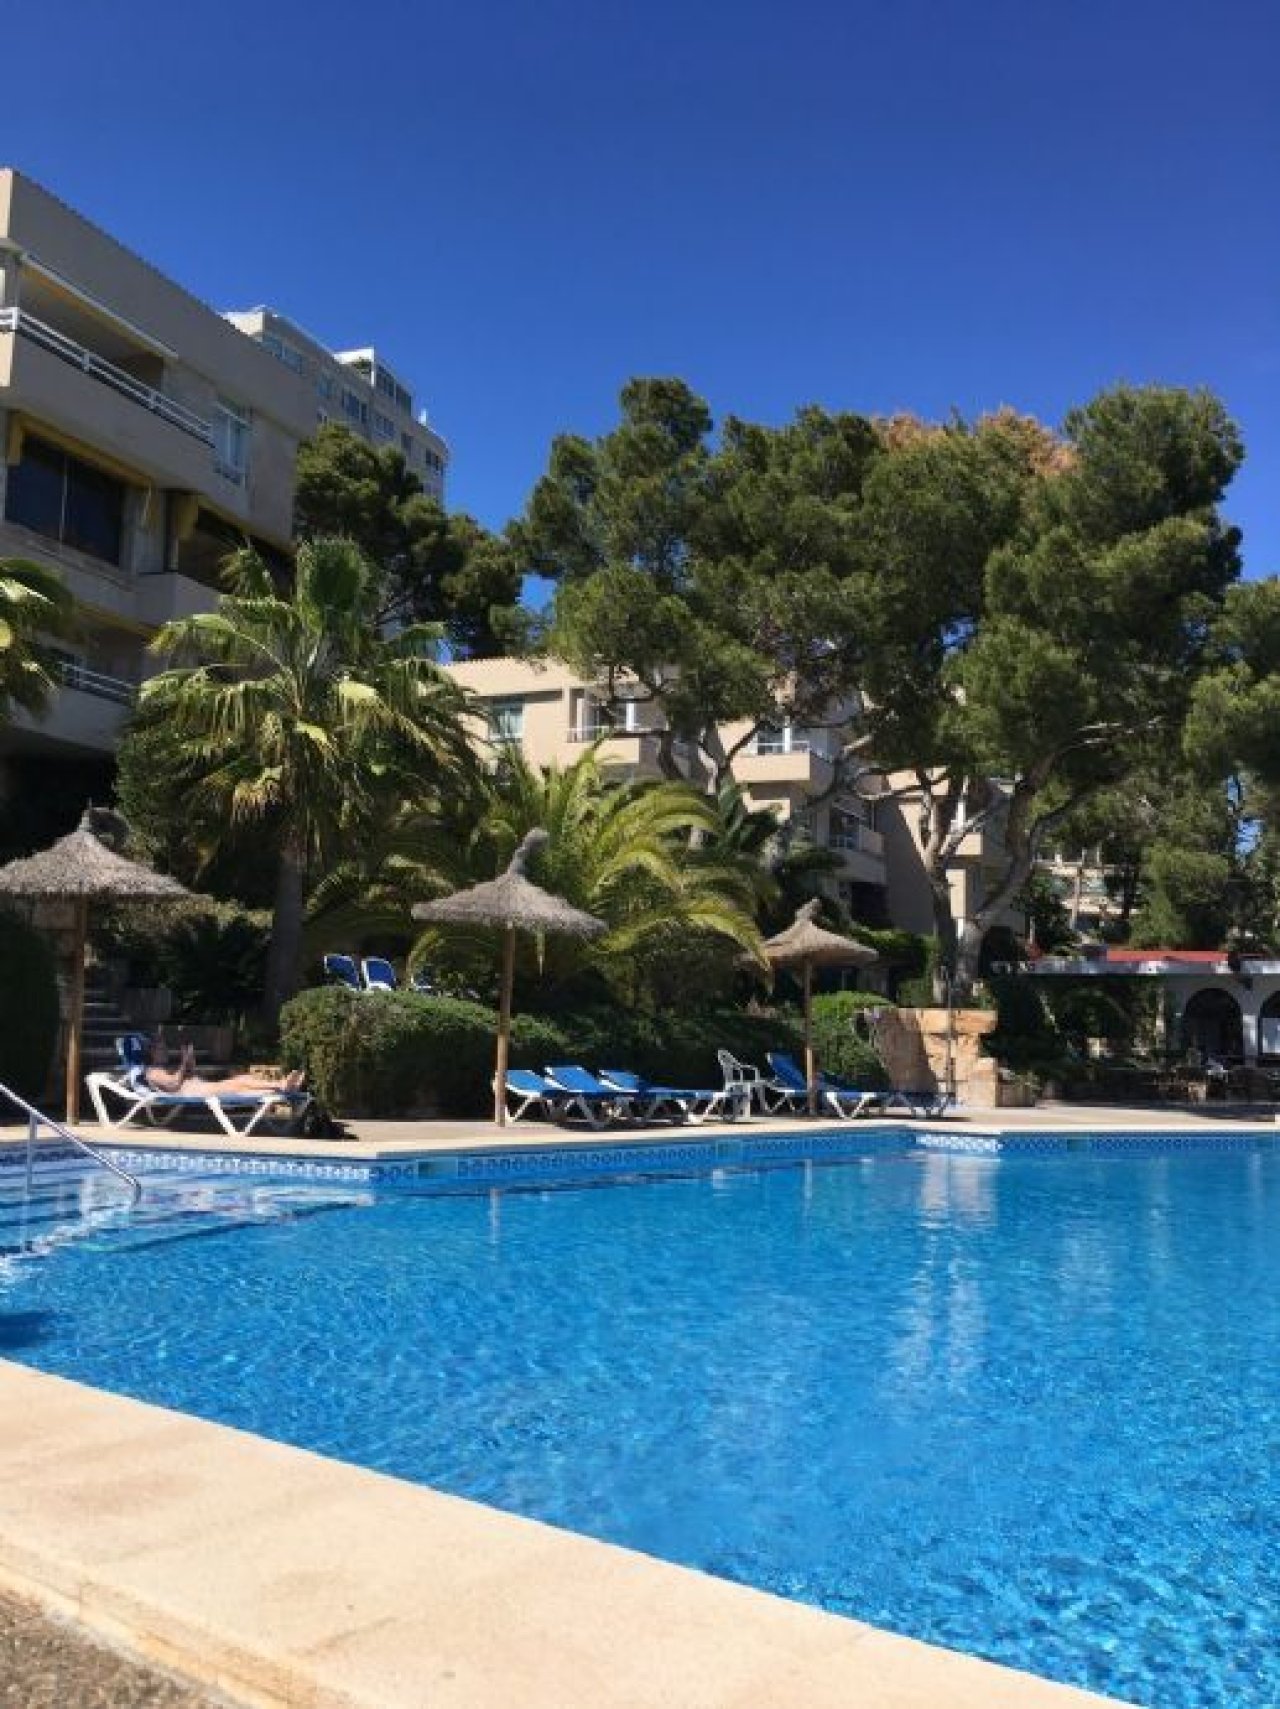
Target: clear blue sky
{"points": [[913, 204]]}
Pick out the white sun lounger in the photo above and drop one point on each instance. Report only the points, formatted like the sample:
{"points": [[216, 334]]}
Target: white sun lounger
{"points": [[143, 1103]]}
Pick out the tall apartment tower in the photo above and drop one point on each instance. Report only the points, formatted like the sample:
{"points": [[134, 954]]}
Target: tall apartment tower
{"points": [[143, 437]]}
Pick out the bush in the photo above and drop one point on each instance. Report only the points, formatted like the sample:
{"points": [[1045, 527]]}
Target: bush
{"points": [[211, 955], [1026, 1038], [29, 1013], [843, 1047], [398, 1053]]}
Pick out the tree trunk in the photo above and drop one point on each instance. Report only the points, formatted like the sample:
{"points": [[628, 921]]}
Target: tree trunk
{"points": [[286, 935], [968, 959]]}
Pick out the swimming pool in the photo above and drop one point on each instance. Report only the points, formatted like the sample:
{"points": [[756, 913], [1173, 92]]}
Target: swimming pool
{"points": [[1026, 1406]]}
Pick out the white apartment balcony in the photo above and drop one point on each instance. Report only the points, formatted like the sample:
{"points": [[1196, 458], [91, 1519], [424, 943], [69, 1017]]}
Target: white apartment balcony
{"points": [[51, 377], [861, 852], [86, 716], [635, 751]]}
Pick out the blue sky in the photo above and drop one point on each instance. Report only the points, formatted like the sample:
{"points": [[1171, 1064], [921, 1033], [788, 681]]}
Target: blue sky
{"points": [[921, 205]]}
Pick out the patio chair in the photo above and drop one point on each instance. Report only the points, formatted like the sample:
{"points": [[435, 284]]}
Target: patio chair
{"points": [[342, 970], [533, 1092], [379, 975], [847, 1102], [141, 1101], [745, 1082], [687, 1103]]}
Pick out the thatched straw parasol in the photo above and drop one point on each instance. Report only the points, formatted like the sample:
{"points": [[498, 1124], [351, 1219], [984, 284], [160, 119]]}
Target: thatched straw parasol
{"points": [[81, 869], [514, 904], [807, 945]]}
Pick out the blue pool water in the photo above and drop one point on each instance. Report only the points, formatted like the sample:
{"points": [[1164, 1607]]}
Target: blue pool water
{"points": [[1026, 1406]]}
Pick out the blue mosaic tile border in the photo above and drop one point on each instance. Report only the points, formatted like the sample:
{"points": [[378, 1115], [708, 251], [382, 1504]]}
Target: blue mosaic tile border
{"points": [[1132, 1142], [353, 1172], [494, 1168]]}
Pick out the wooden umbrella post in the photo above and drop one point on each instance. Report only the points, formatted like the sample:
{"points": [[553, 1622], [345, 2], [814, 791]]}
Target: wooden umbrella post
{"points": [[504, 1028], [75, 1008], [810, 1066]]}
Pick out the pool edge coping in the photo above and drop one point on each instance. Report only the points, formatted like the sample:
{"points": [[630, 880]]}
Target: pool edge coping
{"points": [[200, 1552]]}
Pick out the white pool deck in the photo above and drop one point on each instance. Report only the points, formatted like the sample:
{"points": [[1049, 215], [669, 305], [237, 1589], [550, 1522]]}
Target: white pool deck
{"points": [[284, 1578]]}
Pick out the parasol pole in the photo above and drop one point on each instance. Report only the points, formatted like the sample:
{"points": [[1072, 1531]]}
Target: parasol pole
{"points": [[75, 1008], [810, 1066], [504, 1027]]}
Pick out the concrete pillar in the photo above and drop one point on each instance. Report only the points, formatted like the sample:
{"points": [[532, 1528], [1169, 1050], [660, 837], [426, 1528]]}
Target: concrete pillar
{"points": [[1250, 1002]]}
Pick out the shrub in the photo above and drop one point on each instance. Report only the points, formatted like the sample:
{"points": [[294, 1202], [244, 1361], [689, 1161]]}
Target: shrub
{"points": [[29, 1012], [1026, 1038], [211, 955], [843, 1046], [398, 1053]]}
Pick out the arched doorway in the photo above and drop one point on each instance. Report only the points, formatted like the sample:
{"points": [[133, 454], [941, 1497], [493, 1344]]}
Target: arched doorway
{"points": [[1212, 1024]]}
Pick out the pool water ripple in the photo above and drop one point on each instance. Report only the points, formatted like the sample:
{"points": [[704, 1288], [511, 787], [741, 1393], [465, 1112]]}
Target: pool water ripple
{"points": [[1025, 1406]]}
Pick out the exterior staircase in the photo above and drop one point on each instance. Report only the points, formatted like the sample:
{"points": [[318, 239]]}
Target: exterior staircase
{"points": [[104, 1022]]}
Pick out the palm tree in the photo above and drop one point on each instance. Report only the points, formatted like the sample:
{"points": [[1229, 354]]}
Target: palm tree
{"points": [[302, 718], [34, 605], [620, 851]]}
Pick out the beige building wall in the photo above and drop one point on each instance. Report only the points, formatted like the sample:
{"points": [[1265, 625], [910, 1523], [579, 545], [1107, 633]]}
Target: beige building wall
{"points": [[553, 714]]}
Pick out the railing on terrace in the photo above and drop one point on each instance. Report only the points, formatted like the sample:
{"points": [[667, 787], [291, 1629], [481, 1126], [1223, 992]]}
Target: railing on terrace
{"points": [[36, 1120], [97, 683], [78, 356], [595, 732]]}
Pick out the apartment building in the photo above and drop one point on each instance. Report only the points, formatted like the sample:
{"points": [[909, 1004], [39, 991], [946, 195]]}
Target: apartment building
{"points": [[144, 437], [551, 713], [356, 388]]}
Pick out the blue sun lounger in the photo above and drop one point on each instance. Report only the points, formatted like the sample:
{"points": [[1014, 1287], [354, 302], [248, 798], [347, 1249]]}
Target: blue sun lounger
{"points": [[847, 1102], [693, 1104], [535, 1094]]}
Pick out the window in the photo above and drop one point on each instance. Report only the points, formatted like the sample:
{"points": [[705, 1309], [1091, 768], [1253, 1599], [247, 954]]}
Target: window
{"points": [[286, 353], [385, 384], [784, 739], [383, 425], [506, 721], [846, 831], [231, 428], [324, 385], [406, 445], [354, 406], [66, 500]]}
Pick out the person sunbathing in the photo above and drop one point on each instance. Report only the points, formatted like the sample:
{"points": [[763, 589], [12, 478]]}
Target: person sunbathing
{"points": [[184, 1079]]}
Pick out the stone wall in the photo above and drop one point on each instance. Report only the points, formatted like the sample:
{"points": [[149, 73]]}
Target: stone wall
{"points": [[913, 1047]]}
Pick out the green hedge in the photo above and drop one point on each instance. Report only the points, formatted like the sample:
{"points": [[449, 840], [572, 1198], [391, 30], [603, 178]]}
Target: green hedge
{"points": [[28, 1007], [387, 1054], [843, 1051]]}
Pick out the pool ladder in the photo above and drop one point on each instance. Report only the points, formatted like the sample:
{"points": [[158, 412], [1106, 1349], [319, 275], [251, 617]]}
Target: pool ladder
{"points": [[36, 1120]]}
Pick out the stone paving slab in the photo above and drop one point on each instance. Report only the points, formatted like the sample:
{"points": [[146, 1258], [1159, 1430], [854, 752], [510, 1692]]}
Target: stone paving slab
{"points": [[282, 1578]]}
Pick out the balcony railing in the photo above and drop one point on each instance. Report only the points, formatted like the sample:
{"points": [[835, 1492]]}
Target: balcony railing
{"points": [[78, 356], [97, 683], [596, 732]]}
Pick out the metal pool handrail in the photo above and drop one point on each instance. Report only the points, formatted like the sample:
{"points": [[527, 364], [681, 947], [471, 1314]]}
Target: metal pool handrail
{"points": [[35, 1120]]}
